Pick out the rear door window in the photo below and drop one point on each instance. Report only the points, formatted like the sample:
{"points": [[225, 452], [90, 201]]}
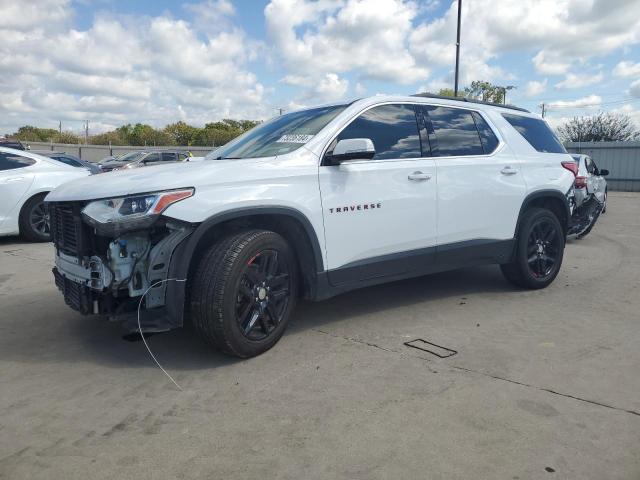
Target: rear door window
{"points": [[455, 132], [536, 132], [168, 157], [392, 129], [487, 137]]}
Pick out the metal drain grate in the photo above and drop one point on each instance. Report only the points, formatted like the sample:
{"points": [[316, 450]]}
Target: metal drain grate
{"points": [[432, 348]]}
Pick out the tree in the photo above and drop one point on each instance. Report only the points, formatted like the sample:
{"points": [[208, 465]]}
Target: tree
{"points": [[35, 134], [485, 91], [181, 133], [142, 134], [602, 127], [448, 92]]}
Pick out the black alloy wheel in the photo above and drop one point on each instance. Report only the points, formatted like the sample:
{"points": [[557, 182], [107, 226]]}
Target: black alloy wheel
{"points": [[243, 292], [263, 294], [538, 250], [543, 246]]}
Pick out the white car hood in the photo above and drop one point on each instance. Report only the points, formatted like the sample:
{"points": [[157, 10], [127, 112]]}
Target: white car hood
{"points": [[152, 179]]}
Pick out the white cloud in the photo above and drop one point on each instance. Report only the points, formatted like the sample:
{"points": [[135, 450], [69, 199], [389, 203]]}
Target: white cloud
{"points": [[627, 69], [535, 87], [123, 69], [369, 37], [577, 80], [550, 64], [634, 88], [588, 101], [560, 32]]}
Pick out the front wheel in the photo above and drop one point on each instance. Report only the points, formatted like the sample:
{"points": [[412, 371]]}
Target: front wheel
{"points": [[34, 220], [539, 250], [244, 291]]}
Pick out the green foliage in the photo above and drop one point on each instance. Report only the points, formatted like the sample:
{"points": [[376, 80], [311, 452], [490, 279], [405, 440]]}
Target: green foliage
{"points": [[448, 92], [602, 127], [179, 133], [65, 137], [485, 91], [34, 134]]}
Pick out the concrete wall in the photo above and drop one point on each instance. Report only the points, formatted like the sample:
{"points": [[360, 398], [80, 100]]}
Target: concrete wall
{"points": [[94, 153], [622, 159]]}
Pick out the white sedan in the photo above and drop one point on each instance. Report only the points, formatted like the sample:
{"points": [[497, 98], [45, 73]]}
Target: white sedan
{"points": [[25, 179]]}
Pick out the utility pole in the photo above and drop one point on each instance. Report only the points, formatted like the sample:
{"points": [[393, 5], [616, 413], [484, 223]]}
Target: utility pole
{"points": [[504, 93], [542, 105], [60, 127], [280, 110], [455, 88], [86, 132]]}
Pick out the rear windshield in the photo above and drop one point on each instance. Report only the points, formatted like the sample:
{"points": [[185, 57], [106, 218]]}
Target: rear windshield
{"points": [[536, 132], [280, 135]]}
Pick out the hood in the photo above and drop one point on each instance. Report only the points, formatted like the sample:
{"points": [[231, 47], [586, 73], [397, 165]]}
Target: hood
{"points": [[120, 183]]}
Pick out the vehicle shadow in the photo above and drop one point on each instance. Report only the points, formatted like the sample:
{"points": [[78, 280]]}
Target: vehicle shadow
{"points": [[91, 339]]}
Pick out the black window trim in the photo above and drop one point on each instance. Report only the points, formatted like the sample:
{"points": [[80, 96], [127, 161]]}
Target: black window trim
{"points": [[429, 127]]}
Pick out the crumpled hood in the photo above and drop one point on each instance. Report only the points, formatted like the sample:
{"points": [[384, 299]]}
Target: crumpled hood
{"points": [[119, 183]]}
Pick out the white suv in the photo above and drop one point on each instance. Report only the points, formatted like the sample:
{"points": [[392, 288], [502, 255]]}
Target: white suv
{"points": [[311, 204]]}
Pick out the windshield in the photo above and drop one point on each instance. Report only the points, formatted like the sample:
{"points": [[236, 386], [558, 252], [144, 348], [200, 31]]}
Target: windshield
{"points": [[279, 135], [128, 157]]}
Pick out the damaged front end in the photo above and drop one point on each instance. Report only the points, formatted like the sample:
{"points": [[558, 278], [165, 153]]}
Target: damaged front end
{"points": [[111, 253]]}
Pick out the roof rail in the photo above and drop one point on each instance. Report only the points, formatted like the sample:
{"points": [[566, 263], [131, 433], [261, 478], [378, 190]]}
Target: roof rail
{"points": [[469, 100]]}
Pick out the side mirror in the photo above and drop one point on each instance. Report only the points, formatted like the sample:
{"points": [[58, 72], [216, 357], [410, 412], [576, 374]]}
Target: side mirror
{"points": [[603, 172], [352, 149]]}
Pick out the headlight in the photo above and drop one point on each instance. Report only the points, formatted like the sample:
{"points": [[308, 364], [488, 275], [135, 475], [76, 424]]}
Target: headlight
{"points": [[114, 215]]}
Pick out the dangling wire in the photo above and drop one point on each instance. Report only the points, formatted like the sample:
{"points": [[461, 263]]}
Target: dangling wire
{"points": [[142, 334]]}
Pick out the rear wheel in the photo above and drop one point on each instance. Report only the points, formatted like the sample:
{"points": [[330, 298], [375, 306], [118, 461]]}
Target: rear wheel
{"points": [[34, 220], [244, 291], [539, 250]]}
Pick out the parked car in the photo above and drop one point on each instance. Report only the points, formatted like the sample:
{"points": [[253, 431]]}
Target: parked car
{"points": [[312, 204], [69, 159], [25, 179], [143, 158], [590, 195], [15, 144], [590, 181]]}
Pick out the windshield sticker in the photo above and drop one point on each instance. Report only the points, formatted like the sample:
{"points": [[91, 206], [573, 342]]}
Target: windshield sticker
{"points": [[293, 138]]}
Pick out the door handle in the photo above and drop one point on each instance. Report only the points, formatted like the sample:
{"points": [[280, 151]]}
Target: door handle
{"points": [[509, 170], [419, 176]]}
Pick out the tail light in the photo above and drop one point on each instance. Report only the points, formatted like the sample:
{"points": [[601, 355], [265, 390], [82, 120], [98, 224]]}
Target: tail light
{"points": [[581, 182], [571, 166]]}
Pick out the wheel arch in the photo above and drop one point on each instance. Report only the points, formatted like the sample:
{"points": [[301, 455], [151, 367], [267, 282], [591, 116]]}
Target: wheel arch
{"points": [[553, 200], [293, 225], [26, 199]]}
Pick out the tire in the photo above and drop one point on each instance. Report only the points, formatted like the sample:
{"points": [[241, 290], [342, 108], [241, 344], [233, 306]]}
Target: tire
{"points": [[34, 220], [241, 299], [604, 206], [539, 250]]}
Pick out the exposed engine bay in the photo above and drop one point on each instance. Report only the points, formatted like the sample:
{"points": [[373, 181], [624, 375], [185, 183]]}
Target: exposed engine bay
{"points": [[106, 275]]}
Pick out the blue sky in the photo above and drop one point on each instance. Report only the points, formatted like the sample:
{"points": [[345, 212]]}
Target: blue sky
{"points": [[116, 61]]}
